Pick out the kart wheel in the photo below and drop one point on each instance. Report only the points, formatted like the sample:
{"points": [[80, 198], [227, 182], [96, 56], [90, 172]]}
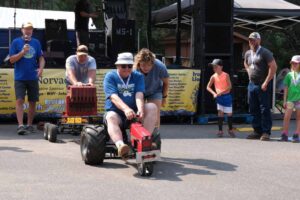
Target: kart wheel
{"points": [[52, 132], [92, 144], [40, 126], [46, 125], [145, 169], [60, 129]]}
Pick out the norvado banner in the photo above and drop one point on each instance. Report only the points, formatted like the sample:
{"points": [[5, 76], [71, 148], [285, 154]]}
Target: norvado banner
{"points": [[182, 96]]}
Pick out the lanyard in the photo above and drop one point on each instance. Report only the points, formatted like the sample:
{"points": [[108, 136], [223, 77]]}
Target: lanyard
{"points": [[127, 82], [253, 55]]}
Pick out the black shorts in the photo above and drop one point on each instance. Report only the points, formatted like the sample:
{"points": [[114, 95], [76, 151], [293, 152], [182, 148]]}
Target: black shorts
{"points": [[29, 88]]}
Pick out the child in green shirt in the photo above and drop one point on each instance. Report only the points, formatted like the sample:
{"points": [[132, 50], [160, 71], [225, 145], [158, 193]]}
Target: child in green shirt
{"points": [[291, 99]]}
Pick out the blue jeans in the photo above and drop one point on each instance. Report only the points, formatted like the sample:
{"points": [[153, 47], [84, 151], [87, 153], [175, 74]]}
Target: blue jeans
{"points": [[260, 107]]}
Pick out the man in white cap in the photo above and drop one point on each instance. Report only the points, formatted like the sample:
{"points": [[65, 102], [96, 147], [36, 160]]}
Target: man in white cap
{"points": [[124, 92], [80, 68], [261, 67], [27, 56]]}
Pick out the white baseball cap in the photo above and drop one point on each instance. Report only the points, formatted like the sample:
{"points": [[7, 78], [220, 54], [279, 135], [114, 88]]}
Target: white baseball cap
{"points": [[295, 59]]}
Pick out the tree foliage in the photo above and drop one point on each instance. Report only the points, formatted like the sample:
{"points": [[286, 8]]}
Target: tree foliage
{"points": [[283, 44]]}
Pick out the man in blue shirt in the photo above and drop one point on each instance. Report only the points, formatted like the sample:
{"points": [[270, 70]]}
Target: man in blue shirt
{"points": [[124, 93], [27, 56]]}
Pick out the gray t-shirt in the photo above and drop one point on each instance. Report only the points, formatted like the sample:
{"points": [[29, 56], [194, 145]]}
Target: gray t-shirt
{"points": [[81, 70], [153, 82], [258, 64]]}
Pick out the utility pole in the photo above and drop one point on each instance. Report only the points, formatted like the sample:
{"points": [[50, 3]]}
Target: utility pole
{"points": [[198, 19], [149, 34], [178, 34]]}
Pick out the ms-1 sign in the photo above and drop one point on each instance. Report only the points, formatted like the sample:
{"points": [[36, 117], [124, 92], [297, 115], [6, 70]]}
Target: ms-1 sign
{"points": [[121, 36], [124, 31]]}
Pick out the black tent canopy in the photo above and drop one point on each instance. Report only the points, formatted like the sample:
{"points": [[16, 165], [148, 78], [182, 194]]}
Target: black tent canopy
{"points": [[254, 14]]}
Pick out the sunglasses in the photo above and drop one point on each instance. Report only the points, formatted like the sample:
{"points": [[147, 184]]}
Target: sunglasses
{"points": [[126, 66]]}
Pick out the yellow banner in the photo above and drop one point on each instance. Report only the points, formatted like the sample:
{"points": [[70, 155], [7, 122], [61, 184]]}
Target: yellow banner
{"points": [[183, 92], [182, 97]]}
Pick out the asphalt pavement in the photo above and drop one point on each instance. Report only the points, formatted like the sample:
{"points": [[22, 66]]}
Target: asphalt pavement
{"points": [[195, 165]]}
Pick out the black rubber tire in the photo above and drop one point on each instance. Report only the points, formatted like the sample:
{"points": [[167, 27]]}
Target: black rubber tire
{"points": [[145, 169], [92, 144], [60, 129], [46, 125], [52, 132]]}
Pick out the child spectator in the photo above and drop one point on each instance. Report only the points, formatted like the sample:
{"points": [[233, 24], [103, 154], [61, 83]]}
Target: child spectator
{"points": [[291, 99], [222, 84]]}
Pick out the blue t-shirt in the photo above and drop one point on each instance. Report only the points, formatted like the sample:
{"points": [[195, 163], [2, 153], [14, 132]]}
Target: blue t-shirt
{"points": [[153, 82], [113, 84], [26, 67]]}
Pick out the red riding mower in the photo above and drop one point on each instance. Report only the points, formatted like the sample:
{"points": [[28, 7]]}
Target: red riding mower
{"points": [[95, 145], [80, 110], [81, 116]]}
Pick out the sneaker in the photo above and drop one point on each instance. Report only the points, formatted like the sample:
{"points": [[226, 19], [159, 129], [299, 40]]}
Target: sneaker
{"points": [[231, 133], [30, 129], [295, 138], [21, 130], [220, 134], [284, 138], [123, 151], [265, 137], [156, 140], [254, 136], [153, 146]]}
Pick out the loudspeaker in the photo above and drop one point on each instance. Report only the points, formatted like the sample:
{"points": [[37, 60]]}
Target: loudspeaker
{"points": [[56, 29], [217, 11], [120, 35], [63, 48], [214, 38], [115, 9], [60, 46], [97, 42], [218, 39]]}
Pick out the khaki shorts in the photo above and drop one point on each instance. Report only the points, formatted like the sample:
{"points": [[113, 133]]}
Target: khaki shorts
{"points": [[293, 105]]}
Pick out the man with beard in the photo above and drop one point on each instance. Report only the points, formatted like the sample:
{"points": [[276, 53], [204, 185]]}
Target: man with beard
{"points": [[261, 67]]}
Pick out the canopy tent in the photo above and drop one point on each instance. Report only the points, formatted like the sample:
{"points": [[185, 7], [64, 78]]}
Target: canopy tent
{"points": [[251, 15], [36, 17]]}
